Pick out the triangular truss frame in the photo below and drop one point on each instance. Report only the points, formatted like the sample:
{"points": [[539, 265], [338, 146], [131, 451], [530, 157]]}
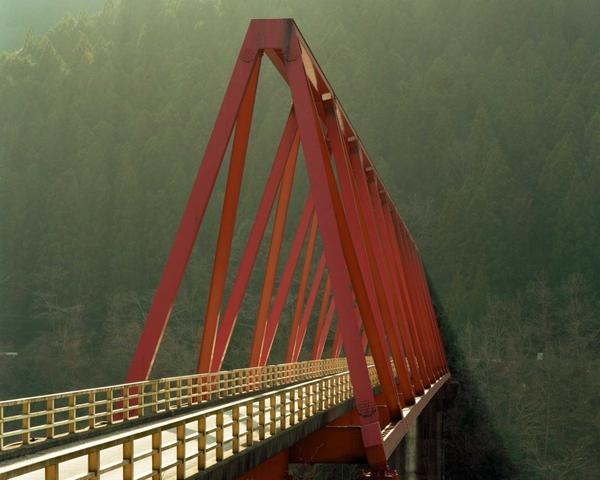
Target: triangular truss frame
{"points": [[370, 268]]}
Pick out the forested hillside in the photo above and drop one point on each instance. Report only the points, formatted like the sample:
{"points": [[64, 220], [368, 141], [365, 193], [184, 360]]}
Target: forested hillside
{"points": [[483, 118], [17, 17]]}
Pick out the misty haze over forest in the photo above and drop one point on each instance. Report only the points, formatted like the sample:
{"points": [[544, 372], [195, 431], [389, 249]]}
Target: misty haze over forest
{"points": [[482, 117]]}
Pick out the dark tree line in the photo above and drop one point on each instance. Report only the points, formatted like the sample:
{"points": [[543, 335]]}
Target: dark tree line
{"points": [[483, 118]]}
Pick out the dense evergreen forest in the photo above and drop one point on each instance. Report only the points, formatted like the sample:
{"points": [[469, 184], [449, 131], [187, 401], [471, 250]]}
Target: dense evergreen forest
{"points": [[482, 116], [20, 16]]}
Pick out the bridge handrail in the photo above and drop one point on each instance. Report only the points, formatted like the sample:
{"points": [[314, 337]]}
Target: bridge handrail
{"points": [[248, 419], [34, 419]]}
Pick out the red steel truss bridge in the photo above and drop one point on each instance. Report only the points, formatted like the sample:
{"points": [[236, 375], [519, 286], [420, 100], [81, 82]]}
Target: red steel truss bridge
{"points": [[359, 285]]}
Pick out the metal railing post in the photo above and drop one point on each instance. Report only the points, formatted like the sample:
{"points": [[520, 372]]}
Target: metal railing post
{"points": [[156, 455], [180, 452], [235, 429], [25, 422], [201, 443], [220, 437], [128, 460], [93, 464], [51, 472], [249, 424], [91, 410]]}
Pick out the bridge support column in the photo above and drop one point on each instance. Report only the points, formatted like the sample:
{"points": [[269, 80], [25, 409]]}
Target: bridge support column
{"points": [[429, 459], [420, 456], [411, 454]]}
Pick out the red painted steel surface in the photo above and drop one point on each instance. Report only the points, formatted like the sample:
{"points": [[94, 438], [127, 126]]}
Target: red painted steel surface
{"points": [[310, 248], [275, 468], [193, 215], [289, 141], [273, 257], [228, 217], [286, 280], [366, 293], [324, 320], [308, 308]]}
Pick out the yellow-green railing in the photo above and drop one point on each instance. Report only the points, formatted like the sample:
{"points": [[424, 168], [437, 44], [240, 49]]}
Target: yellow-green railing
{"points": [[35, 419], [180, 446]]}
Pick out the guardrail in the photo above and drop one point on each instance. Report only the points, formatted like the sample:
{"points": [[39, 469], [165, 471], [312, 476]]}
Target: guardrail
{"points": [[35, 419], [178, 447]]}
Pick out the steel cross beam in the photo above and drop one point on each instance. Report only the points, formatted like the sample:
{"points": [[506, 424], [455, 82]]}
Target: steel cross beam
{"points": [[375, 285]]}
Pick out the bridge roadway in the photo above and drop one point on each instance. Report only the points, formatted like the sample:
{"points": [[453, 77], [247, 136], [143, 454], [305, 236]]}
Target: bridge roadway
{"points": [[193, 434]]}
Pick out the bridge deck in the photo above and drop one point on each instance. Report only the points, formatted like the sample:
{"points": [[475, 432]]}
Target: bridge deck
{"points": [[188, 442], [27, 422], [201, 440], [111, 457]]}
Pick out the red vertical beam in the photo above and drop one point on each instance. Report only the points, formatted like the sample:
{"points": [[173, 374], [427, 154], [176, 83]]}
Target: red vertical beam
{"points": [[308, 255], [341, 259], [426, 299], [436, 328], [401, 348], [395, 248], [273, 256], [416, 294], [286, 280], [323, 310], [255, 237], [415, 298], [427, 319], [227, 226], [308, 308], [418, 364], [433, 317], [401, 317], [400, 283], [380, 259], [319, 344], [372, 321], [172, 274]]}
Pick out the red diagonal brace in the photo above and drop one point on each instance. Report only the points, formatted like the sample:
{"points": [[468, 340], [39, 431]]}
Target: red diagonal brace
{"points": [[400, 284], [371, 316], [418, 369], [424, 297], [323, 310], [162, 303], [415, 293], [308, 308], [321, 338], [273, 257], [288, 138], [286, 280], [400, 349], [308, 255], [228, 217]]}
